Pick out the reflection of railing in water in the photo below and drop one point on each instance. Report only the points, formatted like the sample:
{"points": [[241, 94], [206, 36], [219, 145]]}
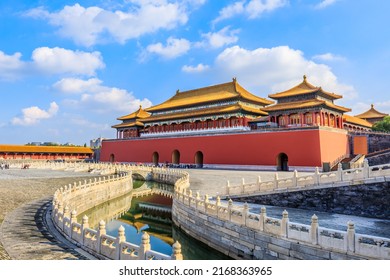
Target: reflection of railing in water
{"points": [[98, 242]]}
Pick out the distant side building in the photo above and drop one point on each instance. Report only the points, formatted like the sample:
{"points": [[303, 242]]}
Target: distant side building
{"points": [[44, 152], [372, 115], [96, 143]]}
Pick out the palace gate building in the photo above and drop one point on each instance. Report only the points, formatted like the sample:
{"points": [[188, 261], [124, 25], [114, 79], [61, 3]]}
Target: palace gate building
{"points": [[225, 125]]}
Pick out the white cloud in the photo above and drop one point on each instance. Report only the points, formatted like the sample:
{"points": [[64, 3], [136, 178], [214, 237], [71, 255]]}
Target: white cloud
{"points": [[252, 8], [91, 25], [50, 61], [195, 69], [59, 61], [223, 37], [77, 86], [324, 4], [98, 98], [278, 69], [10, 66], [32, 115], [328, 57], [173, 48]]}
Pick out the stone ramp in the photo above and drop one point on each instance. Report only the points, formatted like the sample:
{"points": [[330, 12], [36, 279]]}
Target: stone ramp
{"points": [[27, 233]]}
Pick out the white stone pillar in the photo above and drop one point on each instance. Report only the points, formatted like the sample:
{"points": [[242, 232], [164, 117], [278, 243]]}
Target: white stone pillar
{"points": [[245, 212], [258, 183], [119, 240], [242, 185], [176, 251], [314, 230], [101, 231], [351, 236], [317, 176], [295, 178], [230, 206], [339, 172], [228, 187], [284, 224], [73, 220], [263, 216], [366, 169], [144, 247], [276, 183], [84, 226]]}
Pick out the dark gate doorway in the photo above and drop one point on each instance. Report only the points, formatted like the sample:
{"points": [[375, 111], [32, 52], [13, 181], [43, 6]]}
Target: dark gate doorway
{"points": [[155, 158], [199, 159], [112, 158], [176, 157], [282, 162]]}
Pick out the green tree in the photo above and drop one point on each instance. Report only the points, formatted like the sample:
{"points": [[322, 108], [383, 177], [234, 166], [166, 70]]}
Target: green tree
{"points": [[383, 125]]}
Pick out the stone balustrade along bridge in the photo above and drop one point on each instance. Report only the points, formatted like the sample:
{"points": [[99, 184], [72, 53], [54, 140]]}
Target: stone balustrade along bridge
{"points": [[238, 233]]}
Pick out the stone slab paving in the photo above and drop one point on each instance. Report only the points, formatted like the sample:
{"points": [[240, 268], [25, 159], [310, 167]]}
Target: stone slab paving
{"points": [[19, 192]]}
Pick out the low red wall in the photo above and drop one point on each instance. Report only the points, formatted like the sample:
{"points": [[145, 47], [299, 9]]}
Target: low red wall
{"points": [[303, 148]]}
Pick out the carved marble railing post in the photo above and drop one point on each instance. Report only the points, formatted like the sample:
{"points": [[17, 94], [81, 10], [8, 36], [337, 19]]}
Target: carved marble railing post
{"points": [[276, 183], [351, 237], [242, 185], [295, 178], [206, 202], [84, 226], [366, 169], [101, 231], [245, 213], [218, 204], [263, 216], [65, 215], [119, 240], [339, 172], [284, 224], [230, 207], [176, 251], [317, 176], [73, 219], [258, 183], [228, 187], [197, 199], [144, 247], [314, 230]]}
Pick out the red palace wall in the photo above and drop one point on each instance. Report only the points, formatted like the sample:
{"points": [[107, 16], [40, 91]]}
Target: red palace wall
{"points": [[308, 147]]}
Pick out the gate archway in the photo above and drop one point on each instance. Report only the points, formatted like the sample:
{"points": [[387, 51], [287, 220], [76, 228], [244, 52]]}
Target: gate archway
{"points": [[199, 159], [155, 158], [282, 162], [112, 158], [176, 157]]}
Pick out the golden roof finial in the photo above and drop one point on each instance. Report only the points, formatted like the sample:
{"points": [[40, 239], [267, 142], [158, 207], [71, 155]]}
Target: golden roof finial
{"points": [[140, 106], [372, 106], [304, 78]]}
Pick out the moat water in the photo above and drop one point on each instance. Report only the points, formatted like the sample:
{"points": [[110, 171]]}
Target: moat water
{"points": [[151, 214]]}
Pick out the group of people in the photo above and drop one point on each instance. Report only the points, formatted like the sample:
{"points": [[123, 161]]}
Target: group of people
{"points": [[4, 165]]}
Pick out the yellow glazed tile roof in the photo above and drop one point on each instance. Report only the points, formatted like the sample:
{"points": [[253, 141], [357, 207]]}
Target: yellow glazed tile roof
{"points": [[209, 111], [303, 88], [371, 114], [356, 120], [128, 124], [139, 114], [304, 104], [45, 149], [209, 94]]}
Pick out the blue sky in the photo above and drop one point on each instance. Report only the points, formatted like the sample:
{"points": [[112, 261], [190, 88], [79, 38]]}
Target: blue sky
{"points": [[68, 69]]}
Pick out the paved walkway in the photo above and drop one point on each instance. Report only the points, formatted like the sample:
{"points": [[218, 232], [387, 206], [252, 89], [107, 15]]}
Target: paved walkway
{"points": [[23, 196]]}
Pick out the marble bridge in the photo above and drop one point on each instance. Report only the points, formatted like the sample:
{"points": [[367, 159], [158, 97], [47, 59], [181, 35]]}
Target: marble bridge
{"points": [[235, 231]]}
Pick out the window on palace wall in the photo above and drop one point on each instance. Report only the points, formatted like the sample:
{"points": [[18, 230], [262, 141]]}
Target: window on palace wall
{"points": [[294, 119], [308, 118]]}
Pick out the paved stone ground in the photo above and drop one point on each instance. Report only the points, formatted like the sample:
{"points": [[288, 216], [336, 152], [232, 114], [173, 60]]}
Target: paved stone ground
{"points": [[213, 182], [19, 191]]}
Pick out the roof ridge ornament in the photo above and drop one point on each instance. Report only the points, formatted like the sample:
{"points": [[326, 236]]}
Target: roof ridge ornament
{"points": [[372, 106], [234, 79], [304, 78]]}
